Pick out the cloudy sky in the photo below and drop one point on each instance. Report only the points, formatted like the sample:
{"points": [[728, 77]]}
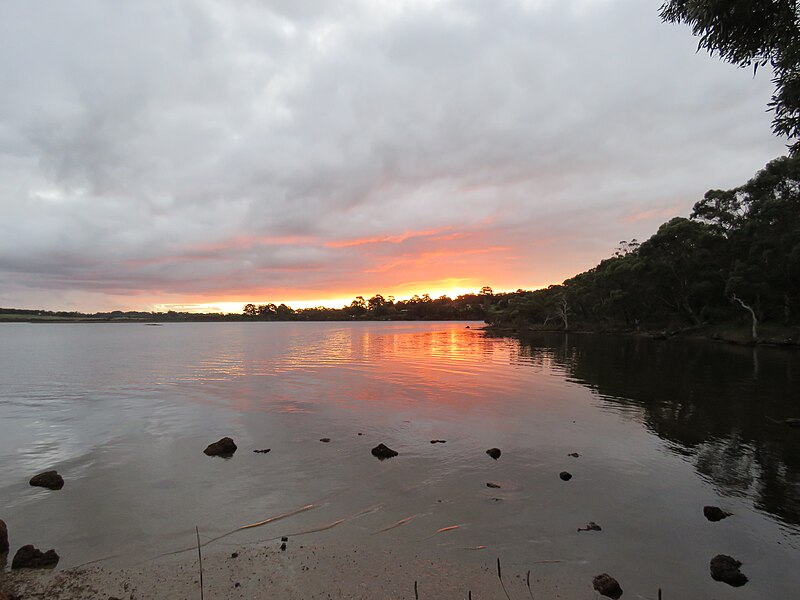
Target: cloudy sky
{"points": [[206, 152]]}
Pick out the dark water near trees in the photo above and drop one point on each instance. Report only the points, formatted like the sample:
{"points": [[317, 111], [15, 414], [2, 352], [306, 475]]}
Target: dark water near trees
{"points": [[663, 428]]}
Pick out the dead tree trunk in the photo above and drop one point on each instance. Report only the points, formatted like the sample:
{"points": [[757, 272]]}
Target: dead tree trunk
{"points": [[754, 331], [562, 310]]}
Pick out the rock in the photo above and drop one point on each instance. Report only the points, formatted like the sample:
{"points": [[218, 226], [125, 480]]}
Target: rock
{"points": [[264, 451], [234, 555], [224, 447], [606, 585], [49, 479], [592, 526], [574, 455], [29, 557], [326, 440], [359, 433], [494, 453], [3, 537], [383, 452], [438, 441], [283, 546], [565, 476], [492, 485], [726, 569], [284, 539], [715, 513]]}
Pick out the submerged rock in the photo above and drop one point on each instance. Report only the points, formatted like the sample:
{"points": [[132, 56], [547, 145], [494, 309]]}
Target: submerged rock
{"points": [[715, 513], [29, 557], [591, 526], [565, 476], [494, 453], [492, 485], [224, 447], [49, 479], [3, 537], [264, 451], [725, 568], [383, 452], [438, 441], [606, 585], [325, 440], [574, 455]]}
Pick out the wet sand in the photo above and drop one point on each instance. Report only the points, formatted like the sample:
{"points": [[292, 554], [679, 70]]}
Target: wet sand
{"points": [[301, 572]]}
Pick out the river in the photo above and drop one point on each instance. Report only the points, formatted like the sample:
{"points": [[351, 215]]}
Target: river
{"points": [[662, 428]]}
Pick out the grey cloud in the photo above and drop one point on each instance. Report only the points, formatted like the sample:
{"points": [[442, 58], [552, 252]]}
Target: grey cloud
{"points": [[138, 131]]}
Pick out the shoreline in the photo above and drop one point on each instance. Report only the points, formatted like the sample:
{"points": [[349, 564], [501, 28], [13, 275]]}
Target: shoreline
{"points": [[777, 336]]}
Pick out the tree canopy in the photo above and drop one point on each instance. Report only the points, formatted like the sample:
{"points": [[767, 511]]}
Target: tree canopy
{"points": [[753, 33]]}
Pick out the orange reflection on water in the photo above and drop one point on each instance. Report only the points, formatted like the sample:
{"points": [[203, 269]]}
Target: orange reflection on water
{"points": [[303, 367]]}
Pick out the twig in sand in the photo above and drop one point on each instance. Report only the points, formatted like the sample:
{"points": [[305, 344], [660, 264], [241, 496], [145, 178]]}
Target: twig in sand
{"points": [[393, 525], [272, 519], [528, 581], [500, 577], [416, 592], [200, 557], [659, 593]]}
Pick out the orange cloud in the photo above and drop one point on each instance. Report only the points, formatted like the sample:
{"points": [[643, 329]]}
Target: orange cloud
{"points": [[387, 239], [653, 214]]}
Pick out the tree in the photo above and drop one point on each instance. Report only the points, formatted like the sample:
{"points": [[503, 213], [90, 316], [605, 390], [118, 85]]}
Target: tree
{"points": [[250, 310], [753, 33]]}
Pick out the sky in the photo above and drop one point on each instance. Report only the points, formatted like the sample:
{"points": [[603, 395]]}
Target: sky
{"points": [[202, 154]]}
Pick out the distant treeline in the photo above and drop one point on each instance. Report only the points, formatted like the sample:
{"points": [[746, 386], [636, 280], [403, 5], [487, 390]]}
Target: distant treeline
{"points": [[736, 259], [467, 307]]}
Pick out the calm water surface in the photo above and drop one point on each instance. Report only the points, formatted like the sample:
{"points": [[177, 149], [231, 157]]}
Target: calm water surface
{"points": [[123, 412]]}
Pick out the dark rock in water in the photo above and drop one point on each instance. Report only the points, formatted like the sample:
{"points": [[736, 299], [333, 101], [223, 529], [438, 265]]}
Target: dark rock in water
{"points": [[492, 485], [29, 557], [383, 452], [565, 476], [574, 455], [438, 441], [235, 555], [467, 327], [3, 537], [606, 585], [264, 451], [49, 479], [726, 569], [497, 499], [359, 433], [224, 447], [715, 513], [494, 453], [326, 440], [284, 539], [592, 526], [283, 546]]}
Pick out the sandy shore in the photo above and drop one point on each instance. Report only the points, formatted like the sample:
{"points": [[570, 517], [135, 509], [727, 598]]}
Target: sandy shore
{"points": [[300, 572]]}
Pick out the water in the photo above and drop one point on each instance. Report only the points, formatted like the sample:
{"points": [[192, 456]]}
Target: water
{"points": [[123, 412]]}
